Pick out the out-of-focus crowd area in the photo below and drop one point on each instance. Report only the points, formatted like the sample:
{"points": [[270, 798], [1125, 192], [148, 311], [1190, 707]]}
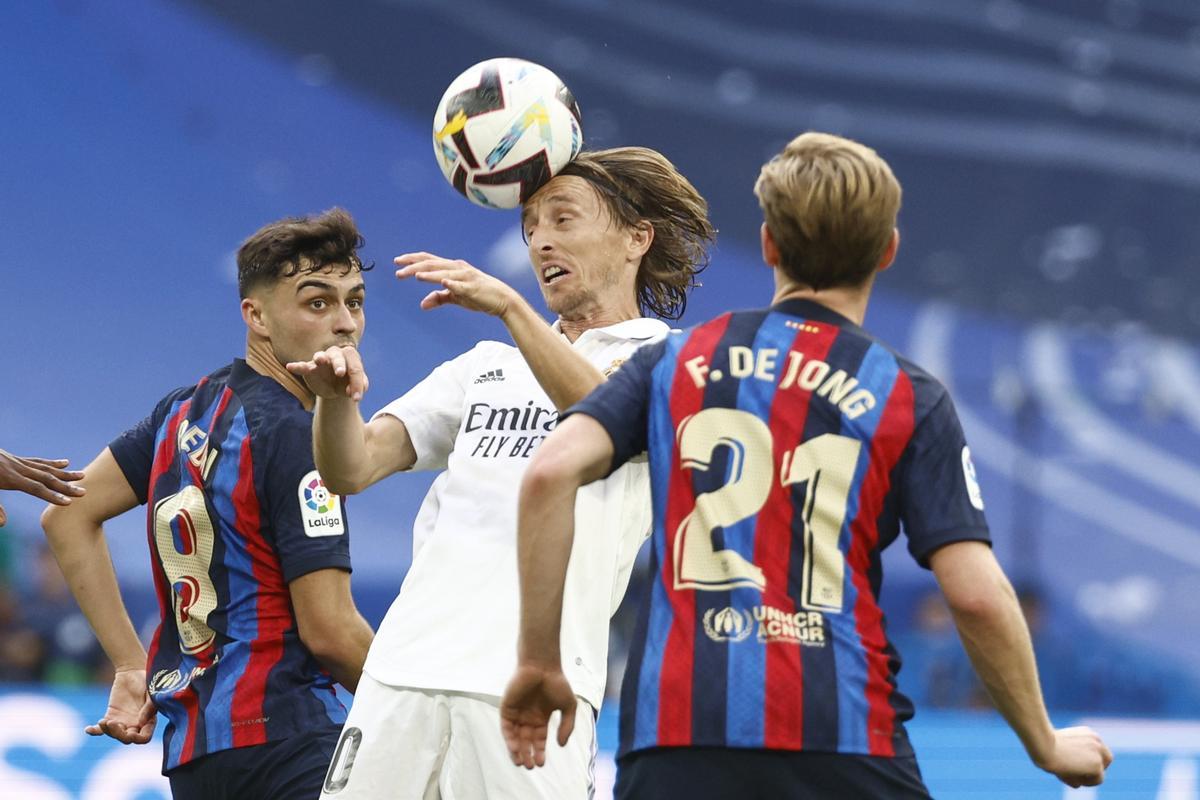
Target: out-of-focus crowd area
{"points": [[44, 637]]}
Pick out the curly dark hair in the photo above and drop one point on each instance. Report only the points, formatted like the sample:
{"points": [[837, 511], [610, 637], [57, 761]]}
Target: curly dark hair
{"points": [[299, 244], [639, 184]]}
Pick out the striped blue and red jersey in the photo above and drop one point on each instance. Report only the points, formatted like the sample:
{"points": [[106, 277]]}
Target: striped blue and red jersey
{"points": [[787, 446], [235, 511]]}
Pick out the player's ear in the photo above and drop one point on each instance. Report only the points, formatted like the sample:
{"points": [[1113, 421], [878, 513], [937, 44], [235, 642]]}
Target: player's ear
{"points": [[253, 314], [770, 250], [641, 236], [889, 252]]}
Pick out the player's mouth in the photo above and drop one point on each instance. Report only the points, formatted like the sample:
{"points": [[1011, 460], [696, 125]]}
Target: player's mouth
{"points": [[552, 273]]}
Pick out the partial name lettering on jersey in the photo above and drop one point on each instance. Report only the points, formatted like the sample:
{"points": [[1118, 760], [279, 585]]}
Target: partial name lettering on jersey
{"points": [[320, 509], [502, 431], [193, 440], [794, 371]]}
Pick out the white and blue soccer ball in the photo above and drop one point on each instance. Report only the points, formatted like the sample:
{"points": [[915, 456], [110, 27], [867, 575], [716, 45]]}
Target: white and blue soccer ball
{"points": [[503, 128]]}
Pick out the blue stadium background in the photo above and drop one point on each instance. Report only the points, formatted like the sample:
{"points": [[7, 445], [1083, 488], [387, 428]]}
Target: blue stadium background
{"points": [[1050, 154]]}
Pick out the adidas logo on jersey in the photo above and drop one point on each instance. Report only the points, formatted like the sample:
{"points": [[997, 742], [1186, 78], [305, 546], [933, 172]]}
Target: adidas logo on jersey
{"points": [[490, 376]]}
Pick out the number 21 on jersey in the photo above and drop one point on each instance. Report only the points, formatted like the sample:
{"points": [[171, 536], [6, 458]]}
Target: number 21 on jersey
{"points": [[825, 463]]}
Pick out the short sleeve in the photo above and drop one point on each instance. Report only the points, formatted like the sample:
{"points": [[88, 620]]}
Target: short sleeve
{"points": [[133, 450], [940, 498], [622, 404], [307, 522], [432, 410]]}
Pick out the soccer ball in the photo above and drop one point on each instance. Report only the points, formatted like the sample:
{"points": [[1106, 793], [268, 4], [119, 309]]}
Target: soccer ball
{"points": [[503, 128]]}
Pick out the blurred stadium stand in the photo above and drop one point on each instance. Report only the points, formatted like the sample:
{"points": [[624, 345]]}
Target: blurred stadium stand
{"points": [[1050, 155]]}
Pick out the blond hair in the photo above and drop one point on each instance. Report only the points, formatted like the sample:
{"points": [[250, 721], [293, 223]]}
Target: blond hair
{"points": [[637, 184], [830, 205]]}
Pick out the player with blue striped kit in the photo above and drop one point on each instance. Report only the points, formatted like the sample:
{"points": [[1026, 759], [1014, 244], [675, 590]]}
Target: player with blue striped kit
{"points": [[249, 550], [787, 447]]}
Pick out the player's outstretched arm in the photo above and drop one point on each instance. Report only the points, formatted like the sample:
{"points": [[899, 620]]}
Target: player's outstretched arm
{"points": [[565, 376], [76, 537], [47, 478], [350, 453], [995, 636], [577, 452]]}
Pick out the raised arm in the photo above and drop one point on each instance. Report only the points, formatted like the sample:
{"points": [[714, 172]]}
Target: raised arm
{"points": [[350, 454], [996, 638], [76, 537], [579, 451], [565, 376]]}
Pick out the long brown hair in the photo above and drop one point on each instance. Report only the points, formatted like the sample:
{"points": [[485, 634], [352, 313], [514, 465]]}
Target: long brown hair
{"points": [[639, 184]]}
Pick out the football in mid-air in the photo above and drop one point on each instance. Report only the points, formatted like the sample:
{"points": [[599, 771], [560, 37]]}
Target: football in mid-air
{"points": [[504, 127]]}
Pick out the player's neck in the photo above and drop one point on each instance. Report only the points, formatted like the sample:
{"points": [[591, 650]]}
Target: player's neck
{"points": [[851, 303], [573, 326], [261, 359]]}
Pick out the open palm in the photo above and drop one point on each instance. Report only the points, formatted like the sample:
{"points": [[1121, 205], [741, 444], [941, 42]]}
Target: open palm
{"points": [[532, 696]]}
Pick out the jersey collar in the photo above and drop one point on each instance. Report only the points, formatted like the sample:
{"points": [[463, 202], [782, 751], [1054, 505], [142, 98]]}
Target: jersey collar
{"points": [[810, 309], [637, 328]]}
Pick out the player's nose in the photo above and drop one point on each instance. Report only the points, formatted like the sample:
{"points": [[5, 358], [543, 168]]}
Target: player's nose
{"points": [[345, 321], [540, 241]]}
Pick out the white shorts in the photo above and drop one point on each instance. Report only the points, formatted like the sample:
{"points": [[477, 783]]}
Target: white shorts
{"points": [[401, 743]]}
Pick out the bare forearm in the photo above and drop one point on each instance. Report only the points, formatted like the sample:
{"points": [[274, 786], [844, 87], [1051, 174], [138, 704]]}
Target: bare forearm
{"points": [[340, 445], [83, 556], [575, 454], [345, 654], [1002, 653], [564, 375], [546, 531], [996, 638]]}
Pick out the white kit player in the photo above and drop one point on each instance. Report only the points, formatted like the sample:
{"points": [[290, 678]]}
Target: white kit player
{"points": [[615, 233]]}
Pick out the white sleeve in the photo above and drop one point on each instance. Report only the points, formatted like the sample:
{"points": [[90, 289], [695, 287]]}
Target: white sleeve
{"points": [[432, 410]]}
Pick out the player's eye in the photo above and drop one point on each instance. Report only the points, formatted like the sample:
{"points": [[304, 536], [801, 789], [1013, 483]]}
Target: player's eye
{"points": [[355, 304], [317, 304]]}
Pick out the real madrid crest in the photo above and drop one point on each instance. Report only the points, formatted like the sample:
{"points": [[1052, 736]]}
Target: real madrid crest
{"points": [[614, 366]]}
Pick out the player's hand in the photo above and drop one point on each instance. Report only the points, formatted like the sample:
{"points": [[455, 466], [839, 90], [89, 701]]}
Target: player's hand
{"points": [[333, 372], [46, 478], [462, 284], [1079, 757], [531, 697], [131, 716]]}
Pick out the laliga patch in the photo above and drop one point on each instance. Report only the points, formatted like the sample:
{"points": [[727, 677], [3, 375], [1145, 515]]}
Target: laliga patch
{"points": [[320, 509], [973, 491]]}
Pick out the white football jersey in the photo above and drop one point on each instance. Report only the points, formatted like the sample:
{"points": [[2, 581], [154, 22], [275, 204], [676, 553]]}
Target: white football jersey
{"points": [[480, 417]]}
